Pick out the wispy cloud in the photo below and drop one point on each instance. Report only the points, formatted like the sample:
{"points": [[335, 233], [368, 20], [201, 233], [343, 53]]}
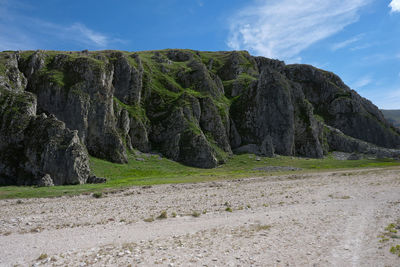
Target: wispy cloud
{"points": [[389, 100], [362, 82], [284, 28], [364, 46], [346, 43], [376, 58], [395, 5], [20, 32]]}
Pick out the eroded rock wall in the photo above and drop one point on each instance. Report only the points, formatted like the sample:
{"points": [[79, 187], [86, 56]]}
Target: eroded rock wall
{"points": [[37, 150], [193, 107]]}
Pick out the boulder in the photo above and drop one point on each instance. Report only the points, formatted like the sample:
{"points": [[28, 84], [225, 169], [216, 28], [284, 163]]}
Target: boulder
{"points": [[354, 156], [92, 179], [46, 181]]}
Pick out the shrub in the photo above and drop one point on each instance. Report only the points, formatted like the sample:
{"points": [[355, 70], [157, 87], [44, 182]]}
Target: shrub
{"points": [[395, 250], [195, 214], [42, 256], [97, 194], [163, 215]]}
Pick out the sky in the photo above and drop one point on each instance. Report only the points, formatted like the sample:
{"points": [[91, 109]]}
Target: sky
{"points": [[359, 40]]}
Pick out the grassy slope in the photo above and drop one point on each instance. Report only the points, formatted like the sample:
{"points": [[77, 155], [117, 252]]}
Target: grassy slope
{"points": [[161, 171], [392, 115]]}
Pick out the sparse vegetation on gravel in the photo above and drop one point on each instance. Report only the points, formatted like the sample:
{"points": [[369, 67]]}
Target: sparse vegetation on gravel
{"points": [[390, 235], [97, 194], [163, 215], [302, 225]]}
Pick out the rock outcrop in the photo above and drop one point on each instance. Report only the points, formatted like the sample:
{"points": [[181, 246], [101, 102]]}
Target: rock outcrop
{"points": [[37, 150], [194, 107]]}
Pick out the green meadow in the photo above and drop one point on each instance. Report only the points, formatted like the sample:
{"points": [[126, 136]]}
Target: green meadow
{"points": [[153, 170]]}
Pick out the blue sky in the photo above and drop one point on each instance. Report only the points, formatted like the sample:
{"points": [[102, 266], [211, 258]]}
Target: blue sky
{"points": [[357, 39]]}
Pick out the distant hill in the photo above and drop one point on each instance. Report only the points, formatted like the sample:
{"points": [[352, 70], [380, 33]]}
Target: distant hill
{"points": [[392, 115]]}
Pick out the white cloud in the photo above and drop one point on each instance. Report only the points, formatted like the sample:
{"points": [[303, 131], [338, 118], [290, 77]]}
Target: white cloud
{"points": [[362, 82], [389, 100], [375, 58], [284, 28], [364, 46], [395, 5], [346, 43], [87, 35]]}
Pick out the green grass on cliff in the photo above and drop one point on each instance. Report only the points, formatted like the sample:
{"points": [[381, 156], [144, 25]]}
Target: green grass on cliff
{"points": [[155, 170]]}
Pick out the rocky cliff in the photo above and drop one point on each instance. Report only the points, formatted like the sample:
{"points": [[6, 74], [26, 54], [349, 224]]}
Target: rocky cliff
{"points": [[193, 107]]}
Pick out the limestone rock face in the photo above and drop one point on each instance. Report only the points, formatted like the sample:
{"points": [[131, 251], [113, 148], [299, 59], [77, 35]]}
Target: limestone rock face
{"points": [[37, 149], [12, 78], [194, 107], [237, 64], [337, 140], [342, 107], [201, 80], [196, 151], [265, 110], [212, 123], [53, 149], [178, 136], [128, 78], [79, 91]]}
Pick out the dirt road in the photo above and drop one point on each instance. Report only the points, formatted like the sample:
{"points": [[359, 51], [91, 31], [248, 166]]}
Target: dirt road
{"points": [[318, 219]]}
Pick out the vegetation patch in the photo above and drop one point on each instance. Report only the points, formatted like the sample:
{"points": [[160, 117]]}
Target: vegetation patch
{"points": [[164, 171], [163, 215], [391, 234], [97, 194], [395, 250], [196, 214], [135, 111], [42, 256]]}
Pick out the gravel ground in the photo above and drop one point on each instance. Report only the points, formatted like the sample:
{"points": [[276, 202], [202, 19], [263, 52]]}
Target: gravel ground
{"points": [[317, 219]]}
